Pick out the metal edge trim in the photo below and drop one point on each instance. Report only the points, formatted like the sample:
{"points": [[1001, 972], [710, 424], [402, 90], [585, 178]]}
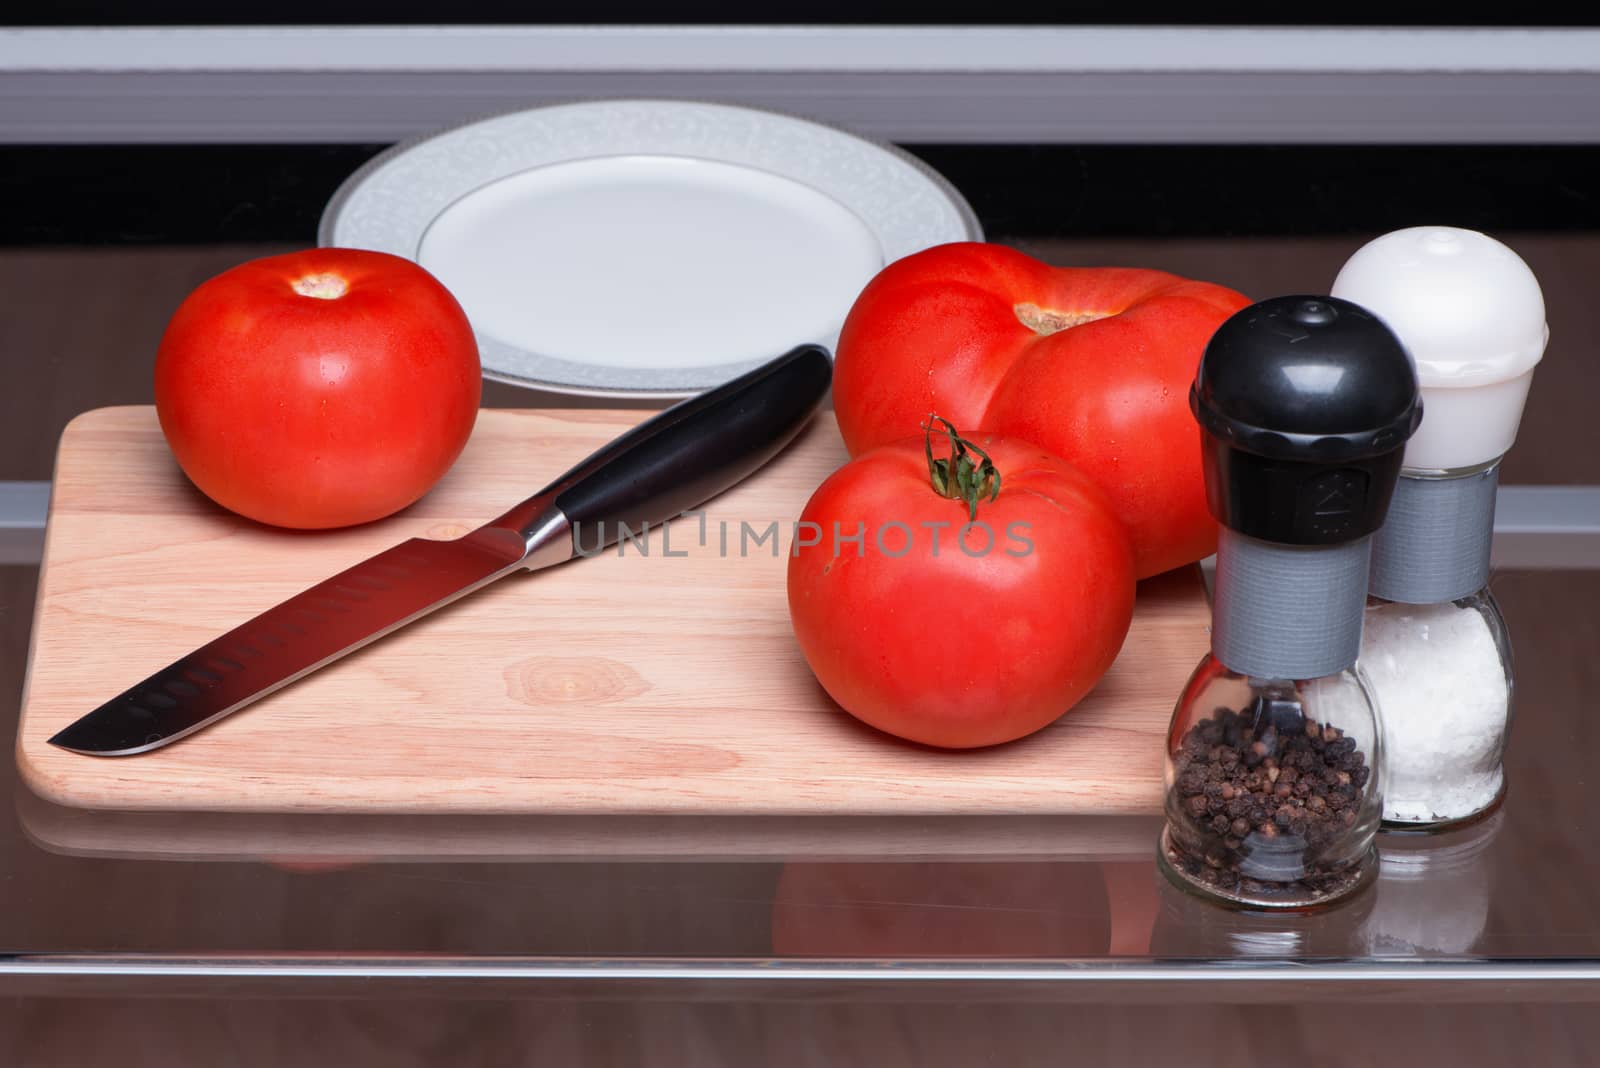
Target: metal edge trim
{"points": [[765, 971]]}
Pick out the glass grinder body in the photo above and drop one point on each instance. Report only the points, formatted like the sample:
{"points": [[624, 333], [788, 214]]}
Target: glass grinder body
{"points": [[1273, 773]]}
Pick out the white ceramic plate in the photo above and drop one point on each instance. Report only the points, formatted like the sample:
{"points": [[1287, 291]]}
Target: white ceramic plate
{"points": [[646, 248]]}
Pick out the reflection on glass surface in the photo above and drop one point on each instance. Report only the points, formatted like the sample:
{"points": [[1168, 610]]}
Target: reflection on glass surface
{"points": [[894, 911], [1501, 893], [1187, 926], [1432, 898], [1433, 892]]}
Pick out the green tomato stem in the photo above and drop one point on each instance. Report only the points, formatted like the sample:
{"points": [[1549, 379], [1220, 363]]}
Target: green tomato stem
{"points": [[958, 477]]}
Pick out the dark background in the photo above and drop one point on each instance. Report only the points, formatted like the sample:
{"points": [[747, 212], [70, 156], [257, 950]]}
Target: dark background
{"points": [[181, 194], [129, 195]]}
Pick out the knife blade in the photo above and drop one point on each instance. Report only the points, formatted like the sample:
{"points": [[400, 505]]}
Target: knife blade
{"points": [[661, 468]]}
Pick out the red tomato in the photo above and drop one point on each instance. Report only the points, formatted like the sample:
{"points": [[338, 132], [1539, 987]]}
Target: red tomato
{"points": [[1134, 890], [954, 632], [318, 389], [1093, 364]]}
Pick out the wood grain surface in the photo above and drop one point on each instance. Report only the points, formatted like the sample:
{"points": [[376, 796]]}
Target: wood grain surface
{"points": [[631, 684]]}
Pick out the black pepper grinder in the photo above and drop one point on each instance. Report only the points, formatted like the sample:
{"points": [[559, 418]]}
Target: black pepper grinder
{"points": [[1273, 777]]}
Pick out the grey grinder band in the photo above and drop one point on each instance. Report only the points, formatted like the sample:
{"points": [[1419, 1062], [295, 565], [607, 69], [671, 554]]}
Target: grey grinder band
{"points": [[1288, 611], [1434, 545]]}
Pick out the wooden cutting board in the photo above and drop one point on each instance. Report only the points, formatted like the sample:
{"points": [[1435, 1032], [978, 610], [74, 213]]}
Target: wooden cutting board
{"points": [[618, 685]]}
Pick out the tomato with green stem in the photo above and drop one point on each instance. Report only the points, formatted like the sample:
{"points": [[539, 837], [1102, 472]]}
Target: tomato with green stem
{"points": [[959, 600]]}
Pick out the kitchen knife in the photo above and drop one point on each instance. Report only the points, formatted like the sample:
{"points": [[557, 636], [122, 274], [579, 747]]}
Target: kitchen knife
{"points": [[656, 471]]}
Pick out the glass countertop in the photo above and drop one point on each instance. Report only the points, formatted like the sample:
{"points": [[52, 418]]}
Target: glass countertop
{"points": [[1079, 908]]}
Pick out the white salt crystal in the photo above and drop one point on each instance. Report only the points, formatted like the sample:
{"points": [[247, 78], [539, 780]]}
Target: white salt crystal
{"points": [[1443, 698]]}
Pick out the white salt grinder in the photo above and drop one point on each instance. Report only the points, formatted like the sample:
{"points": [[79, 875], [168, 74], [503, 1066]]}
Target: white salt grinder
{"points": [[1471, 315]]}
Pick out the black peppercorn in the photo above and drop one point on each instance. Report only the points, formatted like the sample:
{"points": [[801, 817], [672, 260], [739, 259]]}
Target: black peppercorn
{"points": [[1245, 782]]}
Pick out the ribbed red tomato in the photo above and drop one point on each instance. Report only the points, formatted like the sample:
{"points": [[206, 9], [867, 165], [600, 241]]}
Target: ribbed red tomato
{"points": [[943, 614], [1093, 364], [320, 388]]}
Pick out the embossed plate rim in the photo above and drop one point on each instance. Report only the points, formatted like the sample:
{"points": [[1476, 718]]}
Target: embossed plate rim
{"points": [[341, 223]]}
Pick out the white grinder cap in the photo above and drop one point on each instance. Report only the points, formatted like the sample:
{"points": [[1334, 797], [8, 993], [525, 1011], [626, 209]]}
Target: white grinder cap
{"points": [[1470, 313]]}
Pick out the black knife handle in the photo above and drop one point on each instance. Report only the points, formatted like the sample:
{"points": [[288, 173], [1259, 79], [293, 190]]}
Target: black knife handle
{"points": [[692, 451]]}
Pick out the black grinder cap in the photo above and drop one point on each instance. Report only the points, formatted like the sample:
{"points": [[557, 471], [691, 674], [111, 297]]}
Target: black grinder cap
{"points": [[1305, 405]]}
